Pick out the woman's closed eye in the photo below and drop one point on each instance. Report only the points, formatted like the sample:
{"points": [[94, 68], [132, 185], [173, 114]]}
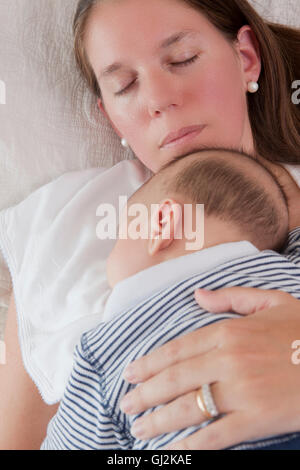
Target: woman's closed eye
{"points": [[174, 64]]}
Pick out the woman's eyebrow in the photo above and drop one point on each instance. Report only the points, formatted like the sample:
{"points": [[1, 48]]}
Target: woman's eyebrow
{"points": [[174, 38]]}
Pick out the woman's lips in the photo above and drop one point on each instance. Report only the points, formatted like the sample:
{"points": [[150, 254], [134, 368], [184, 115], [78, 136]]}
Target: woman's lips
{"points": [[185, 135]]}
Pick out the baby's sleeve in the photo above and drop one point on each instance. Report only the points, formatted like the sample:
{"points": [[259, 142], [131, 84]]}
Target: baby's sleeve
{"points": [[292, 249], [83, 420]]}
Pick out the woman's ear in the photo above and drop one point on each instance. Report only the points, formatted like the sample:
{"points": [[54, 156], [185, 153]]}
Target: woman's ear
{"points": [[103, 110], [166, 226], [248, 49]]}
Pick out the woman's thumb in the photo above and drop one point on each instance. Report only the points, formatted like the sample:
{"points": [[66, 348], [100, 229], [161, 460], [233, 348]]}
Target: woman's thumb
{"points": [[243, 300]]}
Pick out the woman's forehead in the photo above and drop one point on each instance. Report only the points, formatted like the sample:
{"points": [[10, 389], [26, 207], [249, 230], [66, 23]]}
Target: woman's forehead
{"points": [[178, 39], [137, 17], [117, 27]]}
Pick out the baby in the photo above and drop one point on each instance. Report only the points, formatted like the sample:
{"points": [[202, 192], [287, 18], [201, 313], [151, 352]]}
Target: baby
{"points": [[242, 201], [154, 277]]}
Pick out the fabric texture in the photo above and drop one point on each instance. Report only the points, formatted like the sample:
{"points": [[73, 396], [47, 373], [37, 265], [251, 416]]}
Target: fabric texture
{"points": [[89, 416], [142, 285], [56, 258]]}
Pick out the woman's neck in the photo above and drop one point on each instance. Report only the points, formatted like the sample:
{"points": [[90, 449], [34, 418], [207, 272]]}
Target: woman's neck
{"points": [[291, 190]]}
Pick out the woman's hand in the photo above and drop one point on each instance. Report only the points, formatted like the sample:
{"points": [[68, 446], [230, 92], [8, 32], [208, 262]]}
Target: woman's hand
{"points": [[248, 361]]}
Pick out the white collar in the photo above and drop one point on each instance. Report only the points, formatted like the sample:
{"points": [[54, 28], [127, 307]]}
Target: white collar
{"points": [[294, 171], [133, 290]]}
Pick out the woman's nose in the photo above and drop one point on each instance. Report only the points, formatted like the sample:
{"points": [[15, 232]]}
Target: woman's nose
{"points": [[161, 92]]}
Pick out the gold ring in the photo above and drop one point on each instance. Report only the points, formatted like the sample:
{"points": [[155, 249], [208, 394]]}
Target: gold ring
{"points": [[206, 402]]}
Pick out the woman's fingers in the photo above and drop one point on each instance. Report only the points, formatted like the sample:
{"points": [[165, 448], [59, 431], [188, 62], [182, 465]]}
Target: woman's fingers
{"points": [[243, 300], [177, 350], [178, 414], [220, 434], [171, 382], [249, 366]]}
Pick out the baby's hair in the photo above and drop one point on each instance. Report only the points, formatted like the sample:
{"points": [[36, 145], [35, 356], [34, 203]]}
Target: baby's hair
{"points": [[218, 178]]}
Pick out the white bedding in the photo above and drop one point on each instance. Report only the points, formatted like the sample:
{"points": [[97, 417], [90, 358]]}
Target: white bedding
{"points": [[50, 123], [58, 265]]}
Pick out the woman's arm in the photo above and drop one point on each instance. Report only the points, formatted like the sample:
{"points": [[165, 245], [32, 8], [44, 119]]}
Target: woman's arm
{"points": [[248, 361], [24, 415]]}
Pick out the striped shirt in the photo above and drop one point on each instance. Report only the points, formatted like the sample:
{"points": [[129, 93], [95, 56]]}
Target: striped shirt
{"points": [[89, 416]]}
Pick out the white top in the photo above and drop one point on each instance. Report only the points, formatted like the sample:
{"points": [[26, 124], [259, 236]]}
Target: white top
{"points": [[142, 285], [57, 265]]}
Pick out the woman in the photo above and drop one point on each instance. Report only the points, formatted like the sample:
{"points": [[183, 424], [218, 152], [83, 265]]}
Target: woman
{"points": [[192, 68], [201, 79]]}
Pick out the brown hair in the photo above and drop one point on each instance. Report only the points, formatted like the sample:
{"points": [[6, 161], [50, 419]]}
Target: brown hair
{"points": [[228, 191], [274, 119]]}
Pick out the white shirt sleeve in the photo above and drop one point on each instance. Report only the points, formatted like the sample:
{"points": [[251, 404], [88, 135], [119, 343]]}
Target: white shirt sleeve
{"points": [[294, 171], [57, 265]]}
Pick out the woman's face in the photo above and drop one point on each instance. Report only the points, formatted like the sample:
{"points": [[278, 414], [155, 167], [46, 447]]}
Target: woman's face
{"points": [[170, 69]]}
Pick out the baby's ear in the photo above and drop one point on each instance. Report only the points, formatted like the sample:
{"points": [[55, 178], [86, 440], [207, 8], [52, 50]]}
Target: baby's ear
{"points": [[166, 226]]}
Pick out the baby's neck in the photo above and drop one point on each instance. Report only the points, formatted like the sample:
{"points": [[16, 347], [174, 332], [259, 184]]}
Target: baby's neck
{"points": [[215, 232]]}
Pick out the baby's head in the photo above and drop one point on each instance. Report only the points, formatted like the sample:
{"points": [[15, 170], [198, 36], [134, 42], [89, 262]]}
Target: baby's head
{"points": [[242, 201]]}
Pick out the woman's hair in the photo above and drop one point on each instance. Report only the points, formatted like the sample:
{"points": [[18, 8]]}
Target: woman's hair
{"points": [[274, 118]]}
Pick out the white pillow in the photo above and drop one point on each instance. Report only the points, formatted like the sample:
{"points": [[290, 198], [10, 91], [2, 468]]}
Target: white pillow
{"points": [[50, 123]]}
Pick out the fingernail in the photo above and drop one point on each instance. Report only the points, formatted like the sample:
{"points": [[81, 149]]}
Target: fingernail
{"points": [[129, 374], [137, 430], [202, 294], [126, 405], [206, 291]]}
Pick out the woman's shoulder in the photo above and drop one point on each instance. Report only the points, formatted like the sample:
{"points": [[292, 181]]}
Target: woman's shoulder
{"points": [[131, 168], [57, 264], [131, 171], [85, 185]]}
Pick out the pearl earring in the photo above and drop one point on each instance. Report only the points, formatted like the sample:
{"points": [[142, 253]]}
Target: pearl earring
{"points": [[253, 87], [124, 143]]}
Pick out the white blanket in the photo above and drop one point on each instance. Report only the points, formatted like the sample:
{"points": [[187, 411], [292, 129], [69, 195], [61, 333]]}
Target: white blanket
{"points": [[57, 264]]}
